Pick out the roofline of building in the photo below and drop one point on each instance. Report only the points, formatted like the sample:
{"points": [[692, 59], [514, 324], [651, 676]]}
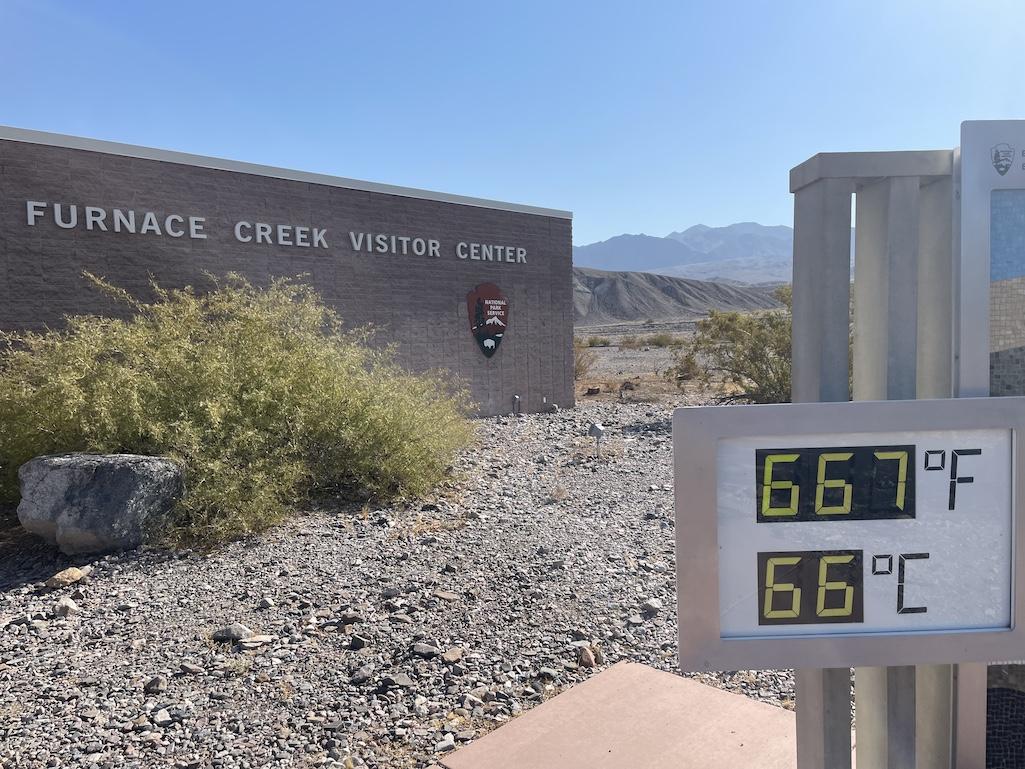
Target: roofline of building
{"points": [[184, 158]]}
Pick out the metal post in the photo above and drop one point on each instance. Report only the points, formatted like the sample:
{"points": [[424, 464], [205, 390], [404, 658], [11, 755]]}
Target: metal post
{"points": [[885, 355], [935, 683], [823, 717], [970, 716], [971, 343], [822, 256]]}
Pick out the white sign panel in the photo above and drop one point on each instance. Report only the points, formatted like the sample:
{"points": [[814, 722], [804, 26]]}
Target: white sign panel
{"points": [[835, 535], [859, 533]]}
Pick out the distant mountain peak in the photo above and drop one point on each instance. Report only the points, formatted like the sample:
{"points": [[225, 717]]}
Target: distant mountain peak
{"points": [[744, 252]]}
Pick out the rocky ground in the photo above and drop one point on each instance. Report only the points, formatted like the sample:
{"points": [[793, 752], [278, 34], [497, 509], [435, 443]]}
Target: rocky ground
{"points": [[372, 637]]}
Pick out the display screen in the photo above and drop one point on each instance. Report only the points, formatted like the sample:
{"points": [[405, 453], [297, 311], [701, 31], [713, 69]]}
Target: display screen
{"points": [[835, 483], [890, 531]]}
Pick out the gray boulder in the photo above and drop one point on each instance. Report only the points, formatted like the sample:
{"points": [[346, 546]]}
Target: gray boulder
{"points": [[96, 503]]}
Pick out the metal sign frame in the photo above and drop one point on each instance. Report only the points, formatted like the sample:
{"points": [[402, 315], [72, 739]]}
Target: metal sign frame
{"points": [[696, 434], [978, 179]]}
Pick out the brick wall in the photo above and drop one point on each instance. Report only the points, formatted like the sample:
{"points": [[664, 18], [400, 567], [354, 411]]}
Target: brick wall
{"points": [[416, 302]]}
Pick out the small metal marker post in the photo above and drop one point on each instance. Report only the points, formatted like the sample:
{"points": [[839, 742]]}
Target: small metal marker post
{"points": [[597, 431]]}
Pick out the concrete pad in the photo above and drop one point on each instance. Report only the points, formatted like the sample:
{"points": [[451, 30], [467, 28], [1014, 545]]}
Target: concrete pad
{"points": [[635, 716]]}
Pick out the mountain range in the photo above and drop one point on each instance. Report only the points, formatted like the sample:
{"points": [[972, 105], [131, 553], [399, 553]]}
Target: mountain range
{"points": [[738, 253], [601, 297]]}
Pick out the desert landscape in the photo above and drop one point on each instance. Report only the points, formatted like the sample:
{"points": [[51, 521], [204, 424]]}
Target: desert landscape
{"points": [[378, 636]]}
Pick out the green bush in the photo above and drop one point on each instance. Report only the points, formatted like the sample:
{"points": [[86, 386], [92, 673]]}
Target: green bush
{"points": [[633, 342], [749, 353], [661, 340], [258, 394], [598, 341]]}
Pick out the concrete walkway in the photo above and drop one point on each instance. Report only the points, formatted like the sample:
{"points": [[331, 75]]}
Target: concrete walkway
{"points": [[635, 716]]}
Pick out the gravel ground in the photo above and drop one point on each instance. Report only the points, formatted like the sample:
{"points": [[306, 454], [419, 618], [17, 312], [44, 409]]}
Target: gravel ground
{"points": [[620, 364], [382, 636]]}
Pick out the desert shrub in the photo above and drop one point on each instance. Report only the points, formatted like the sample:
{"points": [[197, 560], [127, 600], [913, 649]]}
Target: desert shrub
{"points": [[259, 394], [685, 368], [748, 352], [634, 342], [598, 341], [583, 359], [661, 340]]}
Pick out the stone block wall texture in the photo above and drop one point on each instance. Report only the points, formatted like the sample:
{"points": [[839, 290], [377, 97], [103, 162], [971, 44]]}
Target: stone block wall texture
{"points": [[1005, 717], [415, 302]]}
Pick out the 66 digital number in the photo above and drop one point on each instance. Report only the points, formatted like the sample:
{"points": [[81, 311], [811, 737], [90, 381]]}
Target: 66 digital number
{"points": [[810, 587]]}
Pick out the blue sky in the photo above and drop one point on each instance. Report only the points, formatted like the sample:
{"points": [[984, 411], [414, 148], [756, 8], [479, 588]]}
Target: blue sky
{"points": [[638, 116]]}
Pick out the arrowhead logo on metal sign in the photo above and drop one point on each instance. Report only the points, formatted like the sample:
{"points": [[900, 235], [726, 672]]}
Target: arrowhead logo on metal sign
{"points": [[1002, 156], [488, 311]]}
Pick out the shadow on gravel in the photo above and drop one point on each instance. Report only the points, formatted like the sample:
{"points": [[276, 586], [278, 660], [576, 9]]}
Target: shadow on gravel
{"points": [[28, 560], [25, 559]]}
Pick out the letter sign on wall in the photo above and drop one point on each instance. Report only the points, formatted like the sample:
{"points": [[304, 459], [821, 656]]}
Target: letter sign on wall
{"points": [[488, 310]]}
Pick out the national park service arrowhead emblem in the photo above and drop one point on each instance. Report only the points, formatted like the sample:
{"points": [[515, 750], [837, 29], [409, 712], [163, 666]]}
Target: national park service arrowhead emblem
{"points": [[488, 310], [1002, 156]]}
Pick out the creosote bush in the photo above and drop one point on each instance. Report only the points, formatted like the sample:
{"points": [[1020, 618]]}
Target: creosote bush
{"points": [[634, 342], [259, 394], [747, 352]]}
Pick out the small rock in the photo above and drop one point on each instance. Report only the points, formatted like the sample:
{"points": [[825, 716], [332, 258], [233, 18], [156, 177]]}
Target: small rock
{"points": [[65, 607], [362, 675], [68, 576], [233, 633], [453, 655], [446, 595], [191, 668], [651, 606], [425, 650], [400, 680], [358, 642], [265, 603], [156, 685], [162, 718], [255, 641], [585, 657], [447, 744]]}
